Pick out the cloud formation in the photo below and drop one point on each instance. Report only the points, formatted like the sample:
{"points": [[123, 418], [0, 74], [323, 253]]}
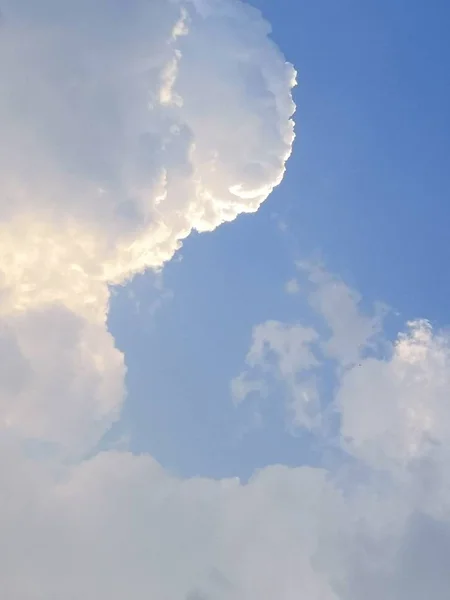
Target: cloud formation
{"points": [[294, 353], [389, 533], [125, 126], [396, 410], [61, 377], [118, 525], [377, 525], [284, 352]]}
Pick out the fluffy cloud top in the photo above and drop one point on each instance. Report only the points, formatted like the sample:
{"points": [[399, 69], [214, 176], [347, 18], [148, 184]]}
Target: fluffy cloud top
{"points": [[125, 126], [397, 410]]}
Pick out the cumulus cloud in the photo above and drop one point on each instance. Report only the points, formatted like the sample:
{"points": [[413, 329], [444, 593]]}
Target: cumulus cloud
{"points": [[293, 353], [392, 533], [61, 378], [125, 126], [396, 410], [119, 525]]}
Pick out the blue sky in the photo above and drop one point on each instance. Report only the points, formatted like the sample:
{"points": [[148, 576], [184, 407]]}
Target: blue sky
{"points": [[366, 190], [224, 375], [368, 182]]}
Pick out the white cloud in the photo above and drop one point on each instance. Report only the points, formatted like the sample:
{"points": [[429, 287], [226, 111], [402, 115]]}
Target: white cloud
{"points": [[242, 387], [125, 126], [391, 533], [123, 132], [288, 345], [118, 525], [294, 351], [396, 410], [352, 330], [392, 403], [285, 352], [61, 378], [292, 286]]}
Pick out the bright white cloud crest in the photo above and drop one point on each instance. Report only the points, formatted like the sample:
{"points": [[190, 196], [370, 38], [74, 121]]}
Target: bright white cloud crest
{"points": [[125, 126]]}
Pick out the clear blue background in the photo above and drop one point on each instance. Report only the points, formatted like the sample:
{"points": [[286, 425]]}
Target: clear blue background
{"points": [[367, 188]]}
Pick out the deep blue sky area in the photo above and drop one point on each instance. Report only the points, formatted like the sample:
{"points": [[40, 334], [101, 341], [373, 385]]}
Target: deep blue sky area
{"points": [[368, 184], [367, 189]]}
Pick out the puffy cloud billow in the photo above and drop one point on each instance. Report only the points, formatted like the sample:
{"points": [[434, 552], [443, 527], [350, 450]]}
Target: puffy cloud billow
{"points": [[125, 126], [386, 531]]}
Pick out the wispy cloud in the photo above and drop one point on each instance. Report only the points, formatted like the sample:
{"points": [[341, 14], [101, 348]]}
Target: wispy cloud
{"points": [[389, 494]]}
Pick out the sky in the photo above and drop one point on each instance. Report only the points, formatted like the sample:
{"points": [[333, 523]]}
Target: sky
{"points": [[224, 344]]}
